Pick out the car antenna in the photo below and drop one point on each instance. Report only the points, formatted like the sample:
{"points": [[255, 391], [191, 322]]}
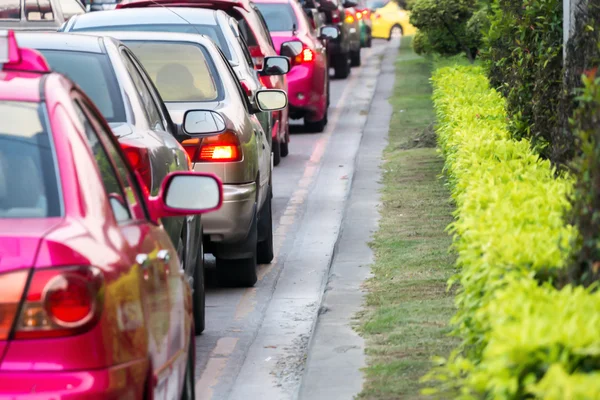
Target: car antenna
{"points": [[294, 29], [173, 11]]}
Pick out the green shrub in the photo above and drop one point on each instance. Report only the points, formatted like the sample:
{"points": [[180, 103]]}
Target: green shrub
{"points": [[508, 231], [443, 26], [523, 50]]}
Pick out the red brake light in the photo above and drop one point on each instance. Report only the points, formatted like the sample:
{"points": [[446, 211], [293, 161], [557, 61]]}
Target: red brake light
{"points": [[12, 286], [349, 17], [60, 302], [257, 56], [139, 160], [306, 55], [335, 17], [224, 147]]}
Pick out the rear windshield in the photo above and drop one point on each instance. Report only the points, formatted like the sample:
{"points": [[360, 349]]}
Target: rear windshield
{"points": [[280, 17], [375, 4], [181, 71], [28, 178], [212, 31], [93, 72]]}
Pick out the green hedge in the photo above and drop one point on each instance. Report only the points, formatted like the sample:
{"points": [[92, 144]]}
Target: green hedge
{"points": [[521, 336]]}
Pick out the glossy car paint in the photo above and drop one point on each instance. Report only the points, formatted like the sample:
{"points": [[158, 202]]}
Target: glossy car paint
{"points": [[388, 16], [307, 82], [257, 36], [48, 25], [145, 328], [245, 182], [166, 153], [162, 19]]}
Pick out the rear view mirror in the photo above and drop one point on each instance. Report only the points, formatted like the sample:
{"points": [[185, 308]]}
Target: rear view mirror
{"points": [[271, 100], [187, 193], [275, 66], [203, 122], [329, 32], [291, 49]]}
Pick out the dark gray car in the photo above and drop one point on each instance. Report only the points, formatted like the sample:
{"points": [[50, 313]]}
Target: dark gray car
{"points": [[115, 80]]}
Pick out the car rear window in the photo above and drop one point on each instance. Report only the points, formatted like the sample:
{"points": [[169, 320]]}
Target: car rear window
{"points": [[93, 72], [212, 31], [181, 71], [375, 4], [28, 178], [280, 17]]}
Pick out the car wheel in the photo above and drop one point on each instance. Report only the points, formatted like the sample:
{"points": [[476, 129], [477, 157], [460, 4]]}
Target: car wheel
{"points": [[342, 67], [199, 296], [189, 390], [285, 149], [276, 152], [355, 58], [395, 32], [316, 126], [370, 41], [240, 272], [264, 248]]}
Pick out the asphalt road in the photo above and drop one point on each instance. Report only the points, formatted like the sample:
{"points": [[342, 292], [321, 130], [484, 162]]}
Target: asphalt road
{"points": [[255, 342]]}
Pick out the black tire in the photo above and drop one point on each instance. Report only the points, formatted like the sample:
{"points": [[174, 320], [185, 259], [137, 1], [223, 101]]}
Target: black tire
{"points": [[316, 126], [342, 67], [285, 149], [199, 296], [276, 149], [395, 27], [355, 58], [189, 389], [240, 272], [264, 247], [369, 41]]}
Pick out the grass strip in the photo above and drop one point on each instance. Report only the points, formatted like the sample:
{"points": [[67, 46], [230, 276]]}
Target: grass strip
{"points": [[405, 320]]}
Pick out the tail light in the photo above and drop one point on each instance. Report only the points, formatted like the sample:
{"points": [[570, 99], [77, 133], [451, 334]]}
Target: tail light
{"points": [[12, 287], [366, 13], [335, 17], [257, 56], [224, 147], [139, 160], [349, 16], [58, 302], [377, 16]]}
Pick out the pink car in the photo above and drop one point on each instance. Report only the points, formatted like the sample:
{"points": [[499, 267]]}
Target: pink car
{"points": [[93, 304], [308, 80]]}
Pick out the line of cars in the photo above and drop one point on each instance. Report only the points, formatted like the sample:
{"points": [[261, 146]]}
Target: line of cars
{"points": [[117, 133]]}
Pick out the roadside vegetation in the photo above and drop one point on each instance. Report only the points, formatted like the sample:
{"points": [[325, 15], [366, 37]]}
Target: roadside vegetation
{"points": [[405, 322]]}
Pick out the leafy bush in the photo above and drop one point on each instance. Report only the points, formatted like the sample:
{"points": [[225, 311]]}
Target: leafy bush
{"points": [[523, 50], [443, 26], [508, 231]]}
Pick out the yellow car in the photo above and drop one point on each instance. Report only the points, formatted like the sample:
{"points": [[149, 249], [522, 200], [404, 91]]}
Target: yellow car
{"points": [[389, 20]]}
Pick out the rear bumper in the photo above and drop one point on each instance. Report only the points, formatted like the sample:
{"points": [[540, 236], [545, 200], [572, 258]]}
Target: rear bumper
{"points": [[231, 222], [126, 381]]}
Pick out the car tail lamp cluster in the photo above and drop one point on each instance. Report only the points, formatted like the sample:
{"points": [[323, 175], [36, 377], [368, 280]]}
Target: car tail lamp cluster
{"points": [[335, 17], [257, 56], [224, 147], [363, 14], [56, 302], [139, 160], [350, 16]]}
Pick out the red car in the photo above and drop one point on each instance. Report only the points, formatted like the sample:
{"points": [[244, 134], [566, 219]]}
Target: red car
{"points": [[256, 34], [93, 304], [308, 79]]}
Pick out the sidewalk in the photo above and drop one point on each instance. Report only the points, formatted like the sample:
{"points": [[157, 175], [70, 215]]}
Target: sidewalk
{"points": [[336, 351]]}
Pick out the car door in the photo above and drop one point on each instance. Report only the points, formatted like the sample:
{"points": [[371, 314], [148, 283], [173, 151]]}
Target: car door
{"points": [[165, 156], [148, 243]]}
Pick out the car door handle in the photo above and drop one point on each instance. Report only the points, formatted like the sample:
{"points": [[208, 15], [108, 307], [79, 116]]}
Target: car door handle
{"points": [[164, 256], [143, 260]]}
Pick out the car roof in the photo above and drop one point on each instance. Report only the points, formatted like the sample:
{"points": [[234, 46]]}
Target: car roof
{"points": [[158, 36], [150, 15], [21, 86], [61, 41], [185, 3]]}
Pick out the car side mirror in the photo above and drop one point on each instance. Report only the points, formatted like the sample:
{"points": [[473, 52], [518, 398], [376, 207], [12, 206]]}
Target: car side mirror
{"points": [[329, 32], [291, 49], [202, 122], [186, 193], [275, 65], [349, 3], [271, 100]]}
